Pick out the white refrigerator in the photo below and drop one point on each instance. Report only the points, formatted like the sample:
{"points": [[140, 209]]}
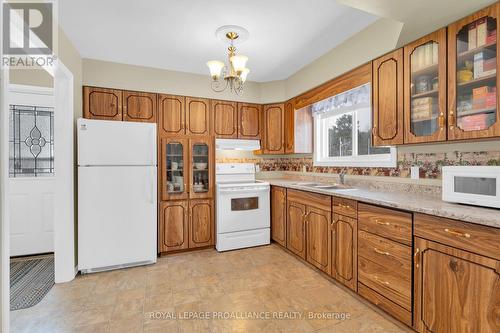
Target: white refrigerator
{"points": [[117, 179]]}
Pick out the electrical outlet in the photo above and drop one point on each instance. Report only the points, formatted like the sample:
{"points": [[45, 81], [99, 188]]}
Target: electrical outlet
{"points": [[415, 172]]}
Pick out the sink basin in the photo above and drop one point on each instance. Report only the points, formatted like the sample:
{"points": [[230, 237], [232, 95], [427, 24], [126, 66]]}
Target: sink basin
{"points": [[306, 184], [324, 186]]}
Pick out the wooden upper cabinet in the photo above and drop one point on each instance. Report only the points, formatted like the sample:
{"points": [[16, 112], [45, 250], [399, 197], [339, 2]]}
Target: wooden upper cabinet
{"points": [[274, 123], [388, 99], [289, 126], [425, 89], [172, 116], [344, 250], [102, 103], [201, 167], [249, 121], [225, 119], [197, 116], [278, 215], [201, 226], [455, 290], [174, 166], [139, 106], [173, 227], [473, 49], [318, 238]]}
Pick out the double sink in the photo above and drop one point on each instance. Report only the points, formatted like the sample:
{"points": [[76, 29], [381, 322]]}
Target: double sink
{"points": [[325, 187]]}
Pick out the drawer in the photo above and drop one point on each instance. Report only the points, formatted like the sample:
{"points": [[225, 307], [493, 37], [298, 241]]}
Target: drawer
{"points": [[388, 306], [386, 222], [393, 256], [471, 237], [392, 284], [346, 207], [320, 201]]}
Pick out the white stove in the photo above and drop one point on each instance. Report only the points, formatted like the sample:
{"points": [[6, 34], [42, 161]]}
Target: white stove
{"points": [[243, 217]]}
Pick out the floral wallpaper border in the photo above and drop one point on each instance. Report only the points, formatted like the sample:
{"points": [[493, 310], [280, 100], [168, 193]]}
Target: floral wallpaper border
{"points": [[430, 163]]}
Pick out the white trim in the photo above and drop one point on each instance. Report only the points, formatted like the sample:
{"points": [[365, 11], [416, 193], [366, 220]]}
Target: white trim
{"points": [[31, 95]]}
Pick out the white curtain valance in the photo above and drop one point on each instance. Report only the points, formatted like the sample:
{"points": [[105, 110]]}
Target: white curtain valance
{"points": [[347, 101]]}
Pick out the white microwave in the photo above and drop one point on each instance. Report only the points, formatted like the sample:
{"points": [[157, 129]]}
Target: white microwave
{"points": [[474, 185]]}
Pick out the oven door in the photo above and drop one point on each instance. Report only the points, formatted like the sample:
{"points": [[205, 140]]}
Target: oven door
{"points": [[240, 209]]}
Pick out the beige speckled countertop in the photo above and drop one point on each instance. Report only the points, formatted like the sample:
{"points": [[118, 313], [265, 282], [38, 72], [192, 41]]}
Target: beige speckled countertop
{"points": [[406, 201]]}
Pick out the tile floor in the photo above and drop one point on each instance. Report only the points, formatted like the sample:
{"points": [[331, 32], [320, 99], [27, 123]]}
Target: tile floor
{"points": [[254, 283]]}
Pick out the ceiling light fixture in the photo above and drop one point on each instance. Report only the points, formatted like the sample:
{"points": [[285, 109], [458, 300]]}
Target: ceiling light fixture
{"points": [[234, 74]]}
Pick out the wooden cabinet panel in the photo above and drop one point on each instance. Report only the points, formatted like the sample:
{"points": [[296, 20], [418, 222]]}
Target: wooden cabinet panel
{"points": [[102, 103], [174, 166], [455, 291], [298, 129], [289, 110], [318, 238], [197, 116], [319, 201], [295, 240], [425, 105], [344, 250], [201, 226], [139, 106], [173, 226], [466, 236], [472, 117], [278, 215], [225, 119], [201, 151], [388, 99], [274, 121], [346, 207], [171, 115], [385, 222], [249, 118]]}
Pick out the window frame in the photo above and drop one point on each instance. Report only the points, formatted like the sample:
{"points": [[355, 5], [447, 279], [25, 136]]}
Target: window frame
{"points": [[320, 155]]}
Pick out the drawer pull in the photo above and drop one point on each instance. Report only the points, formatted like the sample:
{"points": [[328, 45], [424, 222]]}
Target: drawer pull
{"points": [[381, 222], [344, 206], [381, 281], [416, 258], [381, 252], [457, 233]]}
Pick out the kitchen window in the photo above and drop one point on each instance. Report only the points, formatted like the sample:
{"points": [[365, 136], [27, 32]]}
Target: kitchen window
{"points": [[342, 132]]}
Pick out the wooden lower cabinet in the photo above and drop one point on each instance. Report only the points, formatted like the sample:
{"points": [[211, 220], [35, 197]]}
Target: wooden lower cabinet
{"points": [[174, 218], [318, 238], [186, 224], [278, 215], [296, 240], [455, 290], [201, 227], [344, 247]]}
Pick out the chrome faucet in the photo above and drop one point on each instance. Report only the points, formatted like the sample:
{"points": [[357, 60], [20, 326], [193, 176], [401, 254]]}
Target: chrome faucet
{"points": [[342, 176]]}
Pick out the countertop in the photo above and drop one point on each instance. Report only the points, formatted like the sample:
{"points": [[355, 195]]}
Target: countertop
{"points": [[419, 203]]}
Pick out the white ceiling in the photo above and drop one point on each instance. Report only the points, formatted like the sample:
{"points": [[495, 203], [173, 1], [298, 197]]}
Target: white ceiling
{"points": [[285, 35]]}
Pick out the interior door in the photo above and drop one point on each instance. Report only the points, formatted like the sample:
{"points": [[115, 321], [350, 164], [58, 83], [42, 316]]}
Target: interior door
{"points": [[225, 119], [174, 221], [295, 240], [198, 116], [102, 103], [278, 215], [171, 115], [139, 106], [318, 238], [201, 226], [31, 170]]}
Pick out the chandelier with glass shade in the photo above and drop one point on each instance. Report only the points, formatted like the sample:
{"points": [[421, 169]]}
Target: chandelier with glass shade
{"points": [[233, 74]]}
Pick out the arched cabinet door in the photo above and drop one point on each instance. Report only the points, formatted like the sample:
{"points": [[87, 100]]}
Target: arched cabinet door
{"points": [[102, 103], [139, 106], [201, 226], [274, 123], [171, 115], [295, 240], [174, 217], [278, 215], [318, 238], [249, 121], [344, 249], [225, 119], [197, 116]]}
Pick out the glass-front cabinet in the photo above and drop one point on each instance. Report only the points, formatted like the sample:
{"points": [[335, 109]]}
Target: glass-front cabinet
{"points": [[175, 169], [425, 81], [472, 69], [186, 168], [201, 162]]}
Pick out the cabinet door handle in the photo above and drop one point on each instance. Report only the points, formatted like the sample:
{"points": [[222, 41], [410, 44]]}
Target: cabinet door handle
{"points": [[381, 222], [416, 258], [441, 120], [452, 119], [457, 233], [381, 281], [375, 131], [381, 252]]}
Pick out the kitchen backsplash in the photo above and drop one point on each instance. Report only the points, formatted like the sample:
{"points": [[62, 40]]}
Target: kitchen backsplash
{"points": [[430, 163]]}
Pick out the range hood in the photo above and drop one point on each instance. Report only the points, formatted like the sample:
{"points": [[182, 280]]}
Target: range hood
{"points": [[237, 144]]}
